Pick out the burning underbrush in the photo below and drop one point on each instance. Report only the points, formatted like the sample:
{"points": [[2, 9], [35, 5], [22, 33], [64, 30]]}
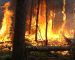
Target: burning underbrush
{"points": [[6, 32], [43, 30], [44, 27]]}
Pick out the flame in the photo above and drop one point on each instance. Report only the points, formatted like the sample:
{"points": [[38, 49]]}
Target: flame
{"points": [[64, 15], [56, 39], [6, 23]]}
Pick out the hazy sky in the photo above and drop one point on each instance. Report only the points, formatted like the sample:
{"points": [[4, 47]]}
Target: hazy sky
{"points": [[3, 1]]}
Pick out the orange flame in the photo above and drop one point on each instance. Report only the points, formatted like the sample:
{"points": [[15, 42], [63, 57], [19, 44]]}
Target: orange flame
{"points": [[6, 23], [56, 39]]}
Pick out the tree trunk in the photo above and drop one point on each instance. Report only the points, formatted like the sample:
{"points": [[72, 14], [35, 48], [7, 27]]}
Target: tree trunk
{"points": [[37, 20], [19, 31], [32, 3], [46, 21]]}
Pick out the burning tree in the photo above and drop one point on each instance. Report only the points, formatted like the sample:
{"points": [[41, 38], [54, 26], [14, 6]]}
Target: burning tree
{"points": [[42, 27]]}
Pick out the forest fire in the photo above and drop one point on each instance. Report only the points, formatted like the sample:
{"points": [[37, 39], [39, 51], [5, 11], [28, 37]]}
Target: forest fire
{"points": [[46, 34], [6, 23], [54, 38], [6, 32]]}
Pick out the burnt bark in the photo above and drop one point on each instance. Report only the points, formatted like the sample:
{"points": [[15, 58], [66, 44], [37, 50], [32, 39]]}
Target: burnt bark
{"points": [[19, 31], [32, 3], [49, 48], [37, 20], [46, 20]]}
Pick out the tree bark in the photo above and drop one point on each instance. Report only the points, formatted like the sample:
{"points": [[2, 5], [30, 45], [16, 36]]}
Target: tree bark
{"points": [[49, 48], [32, 3], [46, 21], [19, 31], [37, 20]]}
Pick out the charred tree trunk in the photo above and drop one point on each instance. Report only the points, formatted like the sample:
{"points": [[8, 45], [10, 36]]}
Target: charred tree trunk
{"points": [[19, 31], [31, 16], [49, 48], [46, 21], [37, 20]]}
